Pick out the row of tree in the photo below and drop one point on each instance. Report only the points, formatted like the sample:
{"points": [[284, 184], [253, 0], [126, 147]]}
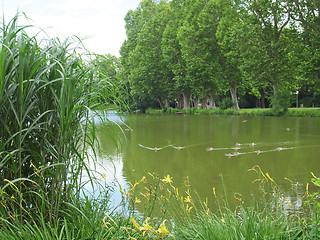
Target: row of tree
{"points": [[187, 51]]}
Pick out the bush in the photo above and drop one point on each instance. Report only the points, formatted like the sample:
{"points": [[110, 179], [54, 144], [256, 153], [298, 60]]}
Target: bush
{"points": [[281, 101], [226, 103]]}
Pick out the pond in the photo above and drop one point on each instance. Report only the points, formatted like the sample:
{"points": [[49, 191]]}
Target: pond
{"points": [[204, 148]]}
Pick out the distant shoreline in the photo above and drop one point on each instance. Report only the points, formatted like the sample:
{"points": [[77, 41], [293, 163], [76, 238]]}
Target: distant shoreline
{"points": [[291, 112]]}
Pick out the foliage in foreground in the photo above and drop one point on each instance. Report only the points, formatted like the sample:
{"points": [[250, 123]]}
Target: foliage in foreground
{"points": [[47, 94], [153, 208]]}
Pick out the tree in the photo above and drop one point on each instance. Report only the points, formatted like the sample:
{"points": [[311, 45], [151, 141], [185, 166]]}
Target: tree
{"points": [[197, 38], [268, 44], [148, 73]]}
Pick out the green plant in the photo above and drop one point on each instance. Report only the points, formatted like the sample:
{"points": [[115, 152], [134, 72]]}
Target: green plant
{"points": [[47, 94], [226, 103]]}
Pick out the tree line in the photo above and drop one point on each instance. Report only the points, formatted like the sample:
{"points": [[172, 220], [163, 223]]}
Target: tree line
{"points": [[248, 53]]}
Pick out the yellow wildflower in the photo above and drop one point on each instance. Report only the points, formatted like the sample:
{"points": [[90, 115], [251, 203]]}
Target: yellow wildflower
{"points": [[137, 200], [162, 229], [167, 179], [146, 226], [104, 176], [214, 192], [188, 208], [187, 199], [135, 224], [222, 220], [267, 174], [288, 202], [177, 192], [123, 191], [142, 179], [12, 197]]}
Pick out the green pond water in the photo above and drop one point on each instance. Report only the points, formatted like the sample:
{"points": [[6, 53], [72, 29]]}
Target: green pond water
{"points": [[299, 139]]}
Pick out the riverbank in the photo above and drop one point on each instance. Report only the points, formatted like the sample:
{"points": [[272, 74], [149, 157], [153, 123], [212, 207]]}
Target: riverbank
{"points": [[291, 112], [270, 216]]}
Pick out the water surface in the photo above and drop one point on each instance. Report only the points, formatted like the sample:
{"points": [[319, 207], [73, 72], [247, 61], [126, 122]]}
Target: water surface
{"points": [[289, 148]]}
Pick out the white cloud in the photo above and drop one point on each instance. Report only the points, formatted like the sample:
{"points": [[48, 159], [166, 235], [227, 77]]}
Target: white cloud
{"points": [[102, 20]]}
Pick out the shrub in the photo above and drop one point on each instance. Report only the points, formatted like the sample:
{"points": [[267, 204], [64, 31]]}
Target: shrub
{"points": [[281, 101], [226, 103]]}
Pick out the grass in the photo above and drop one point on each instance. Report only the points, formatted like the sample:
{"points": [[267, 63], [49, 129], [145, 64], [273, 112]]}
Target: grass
{"points": [[292, 112]]}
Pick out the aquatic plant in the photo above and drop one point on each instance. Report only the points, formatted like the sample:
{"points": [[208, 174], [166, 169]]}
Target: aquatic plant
{"points": [[47, 91]]}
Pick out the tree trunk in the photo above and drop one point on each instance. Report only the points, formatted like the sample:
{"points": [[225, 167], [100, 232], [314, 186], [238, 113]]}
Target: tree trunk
{"points": [[233, 91], [275, 103], [167, 102], [160, 102], [186, 100], [262, 99], [196, 102], [180, 102], [204, 102], [212, 102]]}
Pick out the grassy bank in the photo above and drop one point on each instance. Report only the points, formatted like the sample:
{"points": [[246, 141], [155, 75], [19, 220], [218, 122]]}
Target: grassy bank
{"points": [[292, 112], [153, 208]]}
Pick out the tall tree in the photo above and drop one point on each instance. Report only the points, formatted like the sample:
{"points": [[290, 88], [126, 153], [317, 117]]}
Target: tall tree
{"points": [[149, 74], [230, 44], [268, 46], [307, 16], [197, 37]]}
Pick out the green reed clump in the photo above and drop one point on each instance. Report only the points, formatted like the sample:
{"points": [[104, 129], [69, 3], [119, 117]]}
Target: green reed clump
{"points": [[47, 91]]}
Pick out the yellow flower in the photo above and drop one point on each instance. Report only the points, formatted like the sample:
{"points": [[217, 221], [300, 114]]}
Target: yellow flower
{"points": [[123, 192], [104, 176], [137, 200], [162, 229], [187, 199], [177, 192], [222, 220], [135, 224], [167, 179], [146, 226], [142, 179], [214, 192], [188, 208], [288, 202], [12, 197]]}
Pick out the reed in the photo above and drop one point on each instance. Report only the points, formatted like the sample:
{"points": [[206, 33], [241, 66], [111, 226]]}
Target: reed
{"points": [[47, 91]]}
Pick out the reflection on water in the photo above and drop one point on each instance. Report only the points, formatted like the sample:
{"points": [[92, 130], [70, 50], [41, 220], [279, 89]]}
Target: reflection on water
{"points": [[204, 147]]}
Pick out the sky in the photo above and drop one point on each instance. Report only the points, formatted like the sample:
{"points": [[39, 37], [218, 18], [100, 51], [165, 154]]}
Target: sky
{"points": [[99, 22]]}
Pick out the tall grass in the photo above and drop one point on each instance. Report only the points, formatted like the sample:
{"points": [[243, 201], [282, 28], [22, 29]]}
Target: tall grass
{"points": [[47, 90]]}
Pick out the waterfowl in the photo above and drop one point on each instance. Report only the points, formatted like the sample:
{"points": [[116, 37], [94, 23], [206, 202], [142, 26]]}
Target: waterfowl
{"points": [[209, 149]]}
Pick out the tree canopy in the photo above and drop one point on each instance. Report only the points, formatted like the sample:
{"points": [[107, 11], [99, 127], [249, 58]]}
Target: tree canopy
{"points": [[253, 52]]}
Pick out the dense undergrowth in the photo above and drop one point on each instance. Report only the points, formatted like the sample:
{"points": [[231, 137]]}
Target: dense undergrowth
{"points": [[47, 92], [294, 112]]}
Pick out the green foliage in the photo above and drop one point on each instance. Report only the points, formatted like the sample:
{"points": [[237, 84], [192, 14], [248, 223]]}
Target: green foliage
{"points": [[281, 101], [210, 47], [47, 95], [226, 103]]}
